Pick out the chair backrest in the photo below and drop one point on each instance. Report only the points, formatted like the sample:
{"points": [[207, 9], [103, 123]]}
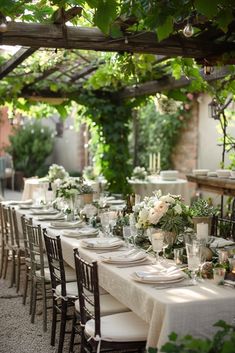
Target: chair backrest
{"points": [[5, 224], [56, 262], [24, 222], [88, 291], [34, 235], [2, 167], [14, 230]]}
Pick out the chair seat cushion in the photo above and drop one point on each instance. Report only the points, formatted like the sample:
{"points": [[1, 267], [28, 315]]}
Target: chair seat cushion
{"points": [[123, 327], [108, 305], [71, 288]]}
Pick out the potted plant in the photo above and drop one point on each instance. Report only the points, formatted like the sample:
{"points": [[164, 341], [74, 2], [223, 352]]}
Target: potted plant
{"points": [[87, 193], [201, 212]]}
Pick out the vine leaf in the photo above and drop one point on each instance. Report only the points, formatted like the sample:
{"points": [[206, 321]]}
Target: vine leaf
{"points": [[105, 14], [207, 8], [164, 30]]}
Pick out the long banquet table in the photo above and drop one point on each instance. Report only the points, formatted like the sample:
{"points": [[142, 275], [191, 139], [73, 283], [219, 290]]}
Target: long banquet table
{"points": [[184, 310]]}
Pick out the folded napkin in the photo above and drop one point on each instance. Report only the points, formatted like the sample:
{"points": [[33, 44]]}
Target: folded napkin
{"points": [[127, 257], [159, 275], [44, 212], [74, 224], [81, 232], [16, 202], [59, 215], [220, 242], [102, 243]]}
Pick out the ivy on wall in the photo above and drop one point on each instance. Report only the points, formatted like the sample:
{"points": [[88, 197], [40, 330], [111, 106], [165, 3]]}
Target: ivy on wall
{"points": [[159, 130]]}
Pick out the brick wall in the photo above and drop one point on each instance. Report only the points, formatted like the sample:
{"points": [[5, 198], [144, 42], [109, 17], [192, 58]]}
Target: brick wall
{"points": [[5, 129]]}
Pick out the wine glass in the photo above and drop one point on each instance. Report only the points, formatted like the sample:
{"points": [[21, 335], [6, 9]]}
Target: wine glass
{"points": [[157, 240], [104, 218], [194, 258], [127, 235]]}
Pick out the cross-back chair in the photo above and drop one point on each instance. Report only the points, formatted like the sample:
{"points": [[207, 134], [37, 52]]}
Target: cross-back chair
{"points": [[27, 272], [63, 293], [122, 331], [40, 277]]}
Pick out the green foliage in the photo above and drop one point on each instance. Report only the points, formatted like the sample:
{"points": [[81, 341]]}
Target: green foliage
{"points": [[159, 133], [223, 341], [201, 208], [29, 147]]}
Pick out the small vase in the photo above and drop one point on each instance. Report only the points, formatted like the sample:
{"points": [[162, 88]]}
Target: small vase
{"points": [[72, 202], [87, 198]]}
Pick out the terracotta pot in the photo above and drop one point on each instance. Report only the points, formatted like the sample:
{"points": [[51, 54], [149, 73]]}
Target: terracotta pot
{"points": [[87, 198]]}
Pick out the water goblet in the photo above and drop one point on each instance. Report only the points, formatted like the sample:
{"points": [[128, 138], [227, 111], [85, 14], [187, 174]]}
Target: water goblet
{"points": [[104, 218], [194, 258], [127, 235], [157, 244]]}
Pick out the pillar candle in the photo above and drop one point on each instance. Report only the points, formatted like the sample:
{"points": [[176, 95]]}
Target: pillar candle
{"points": [[154, 162], [159, 161], [202, 231]]}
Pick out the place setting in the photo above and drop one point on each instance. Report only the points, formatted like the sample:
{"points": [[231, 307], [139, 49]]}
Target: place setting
{"points": [[51, 217], [102, 243], [62, 224], [82, 232], [129, 258]]}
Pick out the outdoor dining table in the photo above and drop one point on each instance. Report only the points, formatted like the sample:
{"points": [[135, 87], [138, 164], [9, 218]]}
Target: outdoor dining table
{"points": [[147, 187], [185, 310]]}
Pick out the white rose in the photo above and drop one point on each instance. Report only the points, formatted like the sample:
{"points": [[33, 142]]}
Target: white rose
{"points": [[167, 198], [143, 215], [178, 209]]}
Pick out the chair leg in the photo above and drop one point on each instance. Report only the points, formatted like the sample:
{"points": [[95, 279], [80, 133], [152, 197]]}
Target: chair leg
{"points": [[53, 325], [26, 282], [18, 270], [31, 293], [71, 344], [34, 300], [2, 259], [44, 306], [5, 263], [62, 326], [13, 270]]}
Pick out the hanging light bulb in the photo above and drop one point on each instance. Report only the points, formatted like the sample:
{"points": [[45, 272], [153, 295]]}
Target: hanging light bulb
{"points": [[3, 27], [188, 30]]}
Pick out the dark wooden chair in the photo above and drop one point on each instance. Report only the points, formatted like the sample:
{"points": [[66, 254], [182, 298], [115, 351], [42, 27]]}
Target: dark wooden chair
{"points": [[40, 276], [27, 263], [122, 331], [64, 293]]}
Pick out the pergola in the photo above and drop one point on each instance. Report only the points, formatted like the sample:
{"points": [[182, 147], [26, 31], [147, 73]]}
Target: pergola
{"points": [[209, 47]]}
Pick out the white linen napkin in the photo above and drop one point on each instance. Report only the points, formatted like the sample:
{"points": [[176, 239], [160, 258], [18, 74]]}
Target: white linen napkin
{"points": [[81, 232], [44, 212], [159, 275], [102, 243], [127, 257], [74, 224], [59, 215], [220, 243], [16, 202]]}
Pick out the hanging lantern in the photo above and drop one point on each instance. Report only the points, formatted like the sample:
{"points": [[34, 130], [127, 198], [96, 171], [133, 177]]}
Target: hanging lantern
{"points": [[214, 109]]}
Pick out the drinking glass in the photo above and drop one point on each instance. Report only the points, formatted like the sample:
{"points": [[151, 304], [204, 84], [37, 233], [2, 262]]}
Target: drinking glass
{"points": [[127, 235], [157, 240], [194, 258], [104, 218]]}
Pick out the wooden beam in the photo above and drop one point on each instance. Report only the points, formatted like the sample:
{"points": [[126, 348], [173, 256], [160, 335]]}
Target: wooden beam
{"points": [[52, 36], [84, 72], [60, 17], [15, 60], [166, 83]]}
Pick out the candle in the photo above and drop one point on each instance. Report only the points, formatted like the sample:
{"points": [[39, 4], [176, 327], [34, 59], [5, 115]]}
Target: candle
{"points": [[159, 161], [154, 162], [202, 231], [150, 161]]}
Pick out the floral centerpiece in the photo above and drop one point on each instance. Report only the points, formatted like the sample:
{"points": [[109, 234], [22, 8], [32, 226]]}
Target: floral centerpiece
{"points": [[56, 172], [165, 212], [139, 173], [88, 173]]}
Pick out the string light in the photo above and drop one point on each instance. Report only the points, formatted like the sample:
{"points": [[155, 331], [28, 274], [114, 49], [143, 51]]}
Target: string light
{"points": [[188, 30]]}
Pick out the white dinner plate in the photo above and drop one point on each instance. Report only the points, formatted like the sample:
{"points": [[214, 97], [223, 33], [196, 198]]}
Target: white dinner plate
{"points": [[145, 280], [124, 262], [115, 202], [102, 247]]}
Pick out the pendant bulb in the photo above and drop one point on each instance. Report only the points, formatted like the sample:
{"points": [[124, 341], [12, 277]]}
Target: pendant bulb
{"points": [[188, 30]]}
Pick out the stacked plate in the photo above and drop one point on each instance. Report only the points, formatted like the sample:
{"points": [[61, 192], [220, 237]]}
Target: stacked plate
{"points": [[83, 232], [170, 175], [65, 225], [102, 243], [200, 172], [170, 275], [41, 212], [51, 217], [129, 257]]}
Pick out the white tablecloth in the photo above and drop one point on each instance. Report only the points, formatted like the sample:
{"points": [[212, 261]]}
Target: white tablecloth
{"points": [[187, 310], [146, 188]]}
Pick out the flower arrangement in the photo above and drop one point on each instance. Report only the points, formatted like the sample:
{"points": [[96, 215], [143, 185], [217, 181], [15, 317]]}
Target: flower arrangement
{"points": [[139, 173], [88, 173], [201, 208], [167, 212], [86, 189], [69, 187], [56, 172]]}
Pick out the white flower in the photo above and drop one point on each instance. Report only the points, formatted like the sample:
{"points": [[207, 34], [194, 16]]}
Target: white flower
{"points": [[178, 209], [167, 198], [156, 212]]}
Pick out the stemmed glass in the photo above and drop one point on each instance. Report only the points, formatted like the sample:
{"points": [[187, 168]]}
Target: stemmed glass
{"points": [[127, 235], [104, 218], [157, 240], [194, 258]]}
